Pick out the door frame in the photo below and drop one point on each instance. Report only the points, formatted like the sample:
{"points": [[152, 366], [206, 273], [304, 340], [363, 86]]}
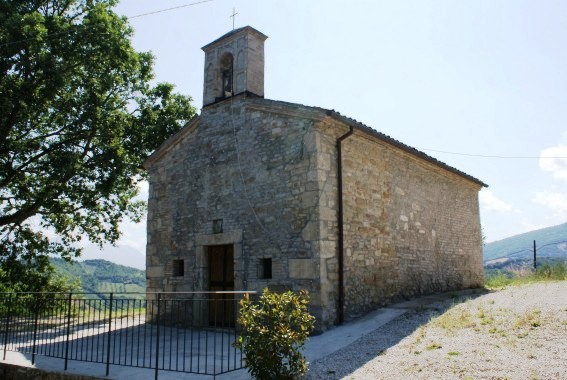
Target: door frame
{"points": [[224, 266], [202, 242], [222, 307]]}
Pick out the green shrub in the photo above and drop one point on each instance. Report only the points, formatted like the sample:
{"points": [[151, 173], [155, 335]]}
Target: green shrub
{"points": [[554, 271], [497, 280], [273, 331]]}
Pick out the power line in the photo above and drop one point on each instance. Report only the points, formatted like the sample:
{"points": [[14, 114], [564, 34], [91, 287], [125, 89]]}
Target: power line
{"points": [[507, 255], [488, 156], [526, 249], [127, 17], [168, 9]]}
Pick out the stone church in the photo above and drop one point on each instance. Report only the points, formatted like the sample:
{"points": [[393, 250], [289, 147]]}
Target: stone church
{"points": [[257, 193]]}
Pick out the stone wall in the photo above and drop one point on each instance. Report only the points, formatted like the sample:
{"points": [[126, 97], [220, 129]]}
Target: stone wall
{"points": [[410, 227], [268, 170], [247, 50], [252, 164]]}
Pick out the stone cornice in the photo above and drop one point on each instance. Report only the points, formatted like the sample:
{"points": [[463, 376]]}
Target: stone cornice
{"points": [[287, 109], [233, 34]]}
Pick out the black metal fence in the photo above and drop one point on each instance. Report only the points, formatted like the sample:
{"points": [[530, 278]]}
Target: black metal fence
{"points": [[184, 332]]}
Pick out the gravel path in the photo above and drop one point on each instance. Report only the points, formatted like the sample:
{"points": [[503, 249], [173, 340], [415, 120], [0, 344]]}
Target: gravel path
{"points": [[516, 333]]}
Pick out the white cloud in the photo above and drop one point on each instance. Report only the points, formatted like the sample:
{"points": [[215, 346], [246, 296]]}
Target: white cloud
{"points": [[133, 235], [557, 202], [489, 202], [550, 162]]}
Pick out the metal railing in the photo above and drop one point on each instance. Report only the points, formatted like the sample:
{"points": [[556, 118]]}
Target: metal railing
{"points": [[185, 332]]}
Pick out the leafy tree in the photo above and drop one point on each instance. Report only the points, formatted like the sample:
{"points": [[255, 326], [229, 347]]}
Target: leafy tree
{"points": [[39, 275], [273, 331], [78, 114]]}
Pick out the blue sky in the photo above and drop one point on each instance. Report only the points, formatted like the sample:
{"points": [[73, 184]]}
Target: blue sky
{"points": [[470, 77]]}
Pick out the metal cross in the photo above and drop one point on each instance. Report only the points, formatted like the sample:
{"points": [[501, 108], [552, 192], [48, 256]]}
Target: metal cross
{"points": [[234, 13]]}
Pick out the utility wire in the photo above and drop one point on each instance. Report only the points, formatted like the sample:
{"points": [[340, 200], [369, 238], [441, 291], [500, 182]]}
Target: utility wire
{"points": [[168, 9], [127, 17], [207, 1], [487, 156], [524, 250], [508, 255]]}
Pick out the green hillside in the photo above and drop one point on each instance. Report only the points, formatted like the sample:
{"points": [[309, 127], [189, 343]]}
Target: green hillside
{"points": [[551, 242], [101, 276]]}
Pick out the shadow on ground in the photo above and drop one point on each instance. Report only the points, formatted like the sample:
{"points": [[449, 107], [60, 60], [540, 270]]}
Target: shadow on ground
{"points": [[418, 312]]}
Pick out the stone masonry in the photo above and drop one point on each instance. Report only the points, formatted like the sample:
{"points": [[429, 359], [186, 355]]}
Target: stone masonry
{"points": [[267, 170]]}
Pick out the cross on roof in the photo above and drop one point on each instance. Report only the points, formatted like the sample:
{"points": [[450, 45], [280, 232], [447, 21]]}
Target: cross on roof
{"points": [[234, 13]]}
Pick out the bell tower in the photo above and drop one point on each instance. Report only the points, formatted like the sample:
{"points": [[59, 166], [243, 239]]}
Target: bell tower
{"points": [[234, 64]]}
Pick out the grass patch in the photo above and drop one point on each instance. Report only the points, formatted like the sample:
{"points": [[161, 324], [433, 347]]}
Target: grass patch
{"points": [[459, 317], [433, 346], [529, 319], [546, 272]]}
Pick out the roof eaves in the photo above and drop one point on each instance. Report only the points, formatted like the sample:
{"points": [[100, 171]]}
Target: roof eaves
{"points": [[381, 136], [233, 32]]}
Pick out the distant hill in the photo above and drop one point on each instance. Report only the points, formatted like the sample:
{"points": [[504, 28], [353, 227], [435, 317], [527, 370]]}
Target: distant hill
{"points": [[551, 242], [101, 276]]}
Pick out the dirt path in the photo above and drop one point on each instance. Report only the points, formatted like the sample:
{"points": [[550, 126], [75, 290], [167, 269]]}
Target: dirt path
{"points": [[515, 333]]}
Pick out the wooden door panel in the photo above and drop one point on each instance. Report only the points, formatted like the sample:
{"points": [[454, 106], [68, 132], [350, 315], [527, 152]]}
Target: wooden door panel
{"points": [[221, 278]]}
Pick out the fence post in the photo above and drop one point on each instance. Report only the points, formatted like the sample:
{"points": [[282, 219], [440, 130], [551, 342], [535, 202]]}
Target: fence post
{"points": [[109, 335], [535, 263], [8, 315], [68, 329], [157, 337], [36, 319]]}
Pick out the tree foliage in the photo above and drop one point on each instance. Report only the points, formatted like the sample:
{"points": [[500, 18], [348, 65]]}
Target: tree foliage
{"points": [[273, 332], [78, 114], [101, 276], [18, 276]]}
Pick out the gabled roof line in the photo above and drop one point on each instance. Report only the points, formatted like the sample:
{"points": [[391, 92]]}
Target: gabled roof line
{"points": [[167, 144], [413, 151], [328, 112], [381, 136]]}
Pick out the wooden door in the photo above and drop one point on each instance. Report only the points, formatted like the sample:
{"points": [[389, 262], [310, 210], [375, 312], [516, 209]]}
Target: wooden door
{"points": [[221, 278]]}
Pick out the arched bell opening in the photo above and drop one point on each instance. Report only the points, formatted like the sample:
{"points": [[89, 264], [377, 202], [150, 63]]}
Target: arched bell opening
{"points": [[227, 75]]}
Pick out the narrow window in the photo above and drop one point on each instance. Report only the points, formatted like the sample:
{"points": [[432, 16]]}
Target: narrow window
{"points": [[266, 268], [227, 83], [178, 268], [217, 226], [226, 69]]}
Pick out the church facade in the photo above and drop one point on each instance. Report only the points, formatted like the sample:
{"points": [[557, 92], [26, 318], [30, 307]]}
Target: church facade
{"points": [[257, 193]]}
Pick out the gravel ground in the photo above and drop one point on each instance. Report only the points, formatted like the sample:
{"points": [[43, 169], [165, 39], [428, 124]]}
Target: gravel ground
{"points": [[515, 333]]}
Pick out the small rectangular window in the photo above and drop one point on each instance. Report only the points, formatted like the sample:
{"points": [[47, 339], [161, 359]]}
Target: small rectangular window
{"points": [[178, 268], [217, 226], [266, 268]]}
